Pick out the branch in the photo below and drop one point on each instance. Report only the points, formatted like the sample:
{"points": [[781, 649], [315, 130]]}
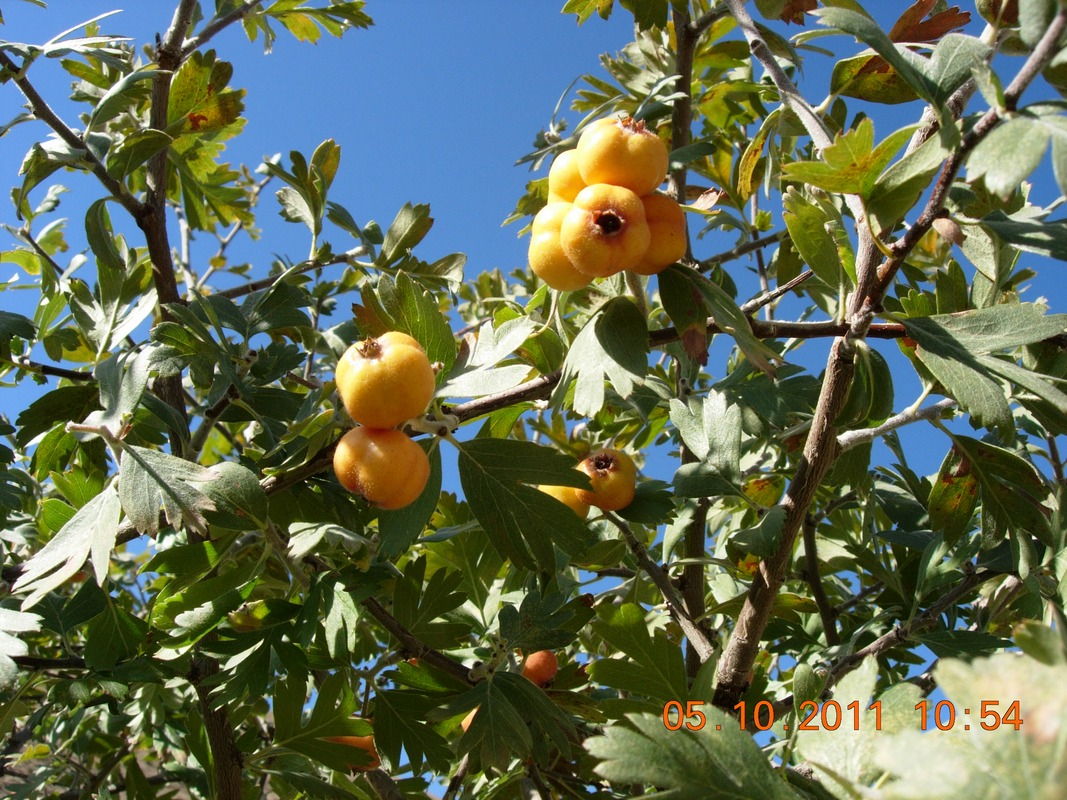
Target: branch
{"points": [[266, 283], [36, 663], [698, 638], [811, 569], [741, 250], [820, 451], [43, 112], [37, 368], [217, 25], [850, 439], [413, 645], [899, 634], [383, 785], [1040, 57]]}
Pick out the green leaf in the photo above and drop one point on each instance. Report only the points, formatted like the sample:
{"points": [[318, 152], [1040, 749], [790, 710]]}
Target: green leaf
{"points": [[200, 102], [1044, 237], [401, 305], [71, 403], [1008, 154], [332, 715], [12, 325], [124, 94], [397, 718], [612, 346], [720, 761], [419, 604], [113, 636], [1013, 491], [89, 534], [656, 668], [399, 529], [121, 379], [898, 188], [946, 644], [809, 227], [542, 622], [868, 77], [478, 374], [953, 497], [852, 163], [494, 474], [764, 539], [408, 228], [149, 479]]}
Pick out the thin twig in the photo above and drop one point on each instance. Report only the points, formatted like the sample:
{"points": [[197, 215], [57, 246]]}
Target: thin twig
{"points": [[850, 439], [217, 25], [456, 781], [266, 283], [38, 368], [742, 249], [413, 645], [769, 296], [811, 569], [696, 635]]}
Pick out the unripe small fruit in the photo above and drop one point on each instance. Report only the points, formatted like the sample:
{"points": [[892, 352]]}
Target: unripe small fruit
{"points": [[666, 225], [540, 667], [364, 743], [385, 466], [605, 231], [568, 495], [564, 178], [622, 152], [614, 478], [547, 259], [385, 381]]}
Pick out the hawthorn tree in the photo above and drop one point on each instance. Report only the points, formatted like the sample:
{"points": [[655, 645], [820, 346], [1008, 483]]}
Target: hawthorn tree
{"points": [[193, 606]]}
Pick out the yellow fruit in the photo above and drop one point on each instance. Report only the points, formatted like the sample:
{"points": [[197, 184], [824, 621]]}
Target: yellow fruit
{"points": [[364, 743], [564, 179], [605, 231], [614, 477], [385, 381], [622, 152], [540, 667], [666, 224], [384, 466], [567, 495], [547, 259]]}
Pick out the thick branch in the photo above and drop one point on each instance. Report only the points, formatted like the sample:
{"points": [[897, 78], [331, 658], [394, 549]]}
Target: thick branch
{"points": [[820, 451], [698, 638]]}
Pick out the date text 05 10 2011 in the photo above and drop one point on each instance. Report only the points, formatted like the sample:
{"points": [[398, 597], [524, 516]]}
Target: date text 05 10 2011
{"points": [[830, 716]]}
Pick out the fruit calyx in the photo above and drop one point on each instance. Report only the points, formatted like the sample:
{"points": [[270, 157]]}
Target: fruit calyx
{"points": [[609, 222]]}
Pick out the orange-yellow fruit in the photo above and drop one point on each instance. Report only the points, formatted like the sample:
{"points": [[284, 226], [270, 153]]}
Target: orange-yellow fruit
{"points": [[666, 224], [614, 477], [385, 381], [547, 259], [364, 743], [540, 667], [605, 231], [567, 495], [564, 178], [384, 466], [622, 152]]}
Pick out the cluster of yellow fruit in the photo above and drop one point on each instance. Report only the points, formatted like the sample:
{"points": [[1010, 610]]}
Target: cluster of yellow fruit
{"points": [[604, 214], [383, 382]]}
